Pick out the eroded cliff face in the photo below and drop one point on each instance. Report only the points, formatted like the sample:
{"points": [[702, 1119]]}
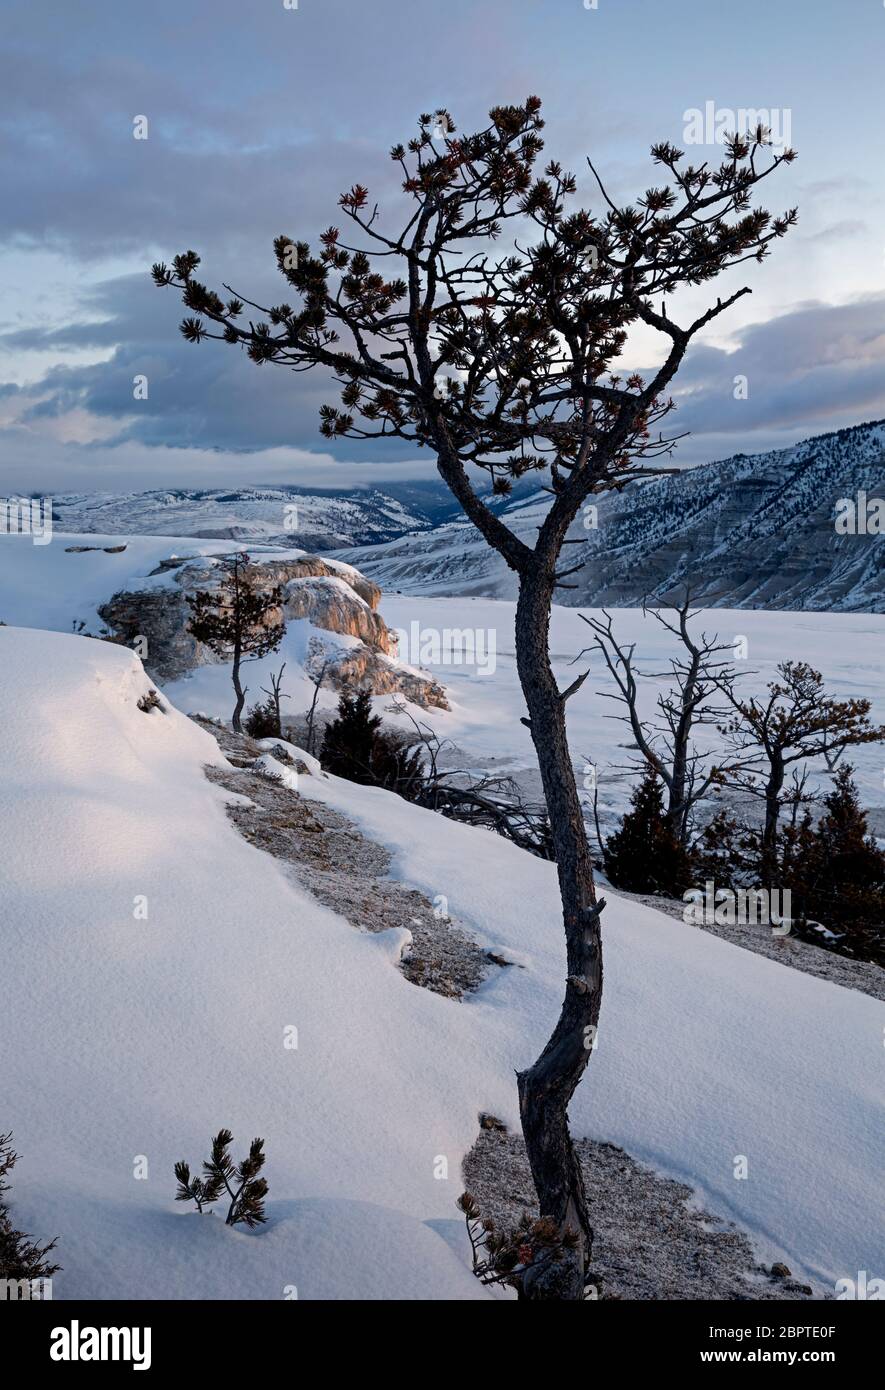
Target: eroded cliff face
{"points": [[284, 572], [154, 622], [331, 596]]}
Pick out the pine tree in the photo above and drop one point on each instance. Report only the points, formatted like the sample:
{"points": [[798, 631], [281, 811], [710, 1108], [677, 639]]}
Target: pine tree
{"points": [[261, 720], [726, 852], [240, 621], [796, 722], [839, 874], [531, 347], [266, 720], [644, 856], [349, 740], [356, 747]]}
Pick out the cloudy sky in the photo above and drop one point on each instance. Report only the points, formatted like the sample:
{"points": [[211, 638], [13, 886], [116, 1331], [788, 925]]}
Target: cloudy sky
{"points": [[260, 112]]}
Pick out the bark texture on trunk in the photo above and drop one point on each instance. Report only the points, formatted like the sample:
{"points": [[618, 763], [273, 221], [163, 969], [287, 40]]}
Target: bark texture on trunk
{"points": [[773, 789], [677, 811], [240, 692], [546, 1088]]}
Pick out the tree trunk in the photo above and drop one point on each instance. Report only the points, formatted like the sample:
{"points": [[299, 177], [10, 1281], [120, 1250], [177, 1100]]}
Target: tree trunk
{"points": [[677, 811], [773, 789], [313, 705], [240, 692], [546, 1088]]}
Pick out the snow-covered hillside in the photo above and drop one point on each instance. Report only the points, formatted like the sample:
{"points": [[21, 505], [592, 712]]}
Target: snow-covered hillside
{"points": [[135, 1035], [747, 532], [280, 515]]}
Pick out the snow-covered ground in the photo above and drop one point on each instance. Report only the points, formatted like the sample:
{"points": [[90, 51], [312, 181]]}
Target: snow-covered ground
{"points": [[126, 1037], [486, 712], [59, 584], [137, 1037], [485, 718]]}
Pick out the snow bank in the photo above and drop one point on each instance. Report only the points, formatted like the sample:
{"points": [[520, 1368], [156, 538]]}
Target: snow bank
{"points": [[135, 1037], [55, 585], [130, 1041], [706, 1053]]}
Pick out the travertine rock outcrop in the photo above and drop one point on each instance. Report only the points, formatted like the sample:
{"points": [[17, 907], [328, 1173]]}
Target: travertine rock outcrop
{"points": [[331, 596]]}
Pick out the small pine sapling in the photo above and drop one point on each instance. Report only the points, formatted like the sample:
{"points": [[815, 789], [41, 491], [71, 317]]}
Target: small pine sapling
{"points": [[266, 720], [241, 1182], [644, 856], [261, 721], [517, 1258]]}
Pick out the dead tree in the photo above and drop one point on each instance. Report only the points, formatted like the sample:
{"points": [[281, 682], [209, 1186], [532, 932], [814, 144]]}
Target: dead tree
{"points": [[693, 700], [491, 802], [504, 361], [275, 697], [317, 679]]}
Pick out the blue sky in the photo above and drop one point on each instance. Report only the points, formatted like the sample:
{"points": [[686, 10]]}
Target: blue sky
{"points": [[259, 115]]}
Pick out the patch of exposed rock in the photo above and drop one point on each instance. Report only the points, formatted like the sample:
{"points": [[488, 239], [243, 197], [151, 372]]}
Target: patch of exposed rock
{"points": [[366, 666], [651, 1242], [340, 866], [331, 596], [281, 571], [329, 602], [159, 618], [84, 549]]}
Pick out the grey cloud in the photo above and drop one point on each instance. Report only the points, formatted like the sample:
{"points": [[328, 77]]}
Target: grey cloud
{"points": [[259, 117], [816, 368], [257, 121], [42, 465]]}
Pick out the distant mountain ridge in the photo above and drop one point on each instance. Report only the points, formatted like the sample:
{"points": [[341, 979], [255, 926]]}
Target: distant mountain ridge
{"points": [[749, 531], [308, 518]]}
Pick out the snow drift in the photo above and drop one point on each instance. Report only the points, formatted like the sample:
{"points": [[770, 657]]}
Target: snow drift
{"points": [[155, 965]]}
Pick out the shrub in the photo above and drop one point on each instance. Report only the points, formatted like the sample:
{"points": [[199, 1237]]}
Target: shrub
{"points": [[530, 1252], [838, 876], [262, 720], [728, 853], [20, 1256], [149, 702]]}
